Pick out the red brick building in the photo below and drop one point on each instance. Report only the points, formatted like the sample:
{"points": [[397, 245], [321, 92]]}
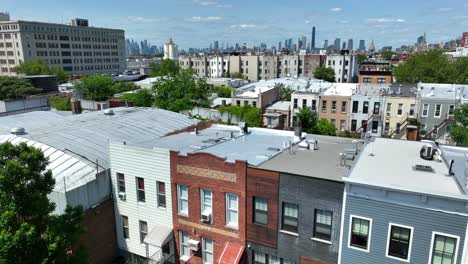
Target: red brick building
{"points": [[209, 214], [464, 40]]}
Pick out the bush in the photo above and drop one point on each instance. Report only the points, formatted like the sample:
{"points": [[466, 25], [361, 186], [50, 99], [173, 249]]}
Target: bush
{"points": [[60, 103], [249, 114]]}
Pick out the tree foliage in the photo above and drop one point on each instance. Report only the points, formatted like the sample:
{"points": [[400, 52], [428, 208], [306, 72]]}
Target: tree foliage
{"points": [[361, 58], [95, 87], [223, 91], [41, 67], [284, 91], [387, 55], [249, 114], [307, 119], [142, 98], [236, 75], [122, 87], [180, 92], [432, 67], [166, 67], [28, 232], [60, 103], [324, 127], [12, 88], [325, 73], [459, 131]]}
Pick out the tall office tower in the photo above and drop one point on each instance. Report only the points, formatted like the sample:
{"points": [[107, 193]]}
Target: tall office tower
{"points": [[65, 46], [344, 45], [216, 45], [350, 44], [325, 44], [312, 44], [304, 43], [337, 43], [279, 46], [170, 50], [362, 45], [372, 47]]}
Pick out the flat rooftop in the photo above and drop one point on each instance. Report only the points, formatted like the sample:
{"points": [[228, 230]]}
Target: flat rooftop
{"points": [[322, 163], [296, 84], [280, 105], [341, 89], [372, 89], [390, 163], [443, 91]]}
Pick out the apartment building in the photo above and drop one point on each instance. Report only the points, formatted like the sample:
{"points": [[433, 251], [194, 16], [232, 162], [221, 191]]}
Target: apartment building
{"points": [[218, 66], [77, 48], [412, 211], [259, 94], [268, 67], [401, 109], [277, 116], [375, 72], [334, 104], [345, 66], [437, 103], [307, 96], [366, 109]]}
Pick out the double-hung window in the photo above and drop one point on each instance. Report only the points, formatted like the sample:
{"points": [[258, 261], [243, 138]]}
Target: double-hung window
{"points": [[143, 231], [184, 244], [400, 109], [207, 250], [365, 107], [323, 224], [182, 199], [355, 106], [121, 182], [333, 106], [259, 258], [206, 202], [389, 109], [438, 110], [161, 194], [125, 228], [425, 111], [411, 109], [232, 202], [140, 189], [444, 249], [360, 231], [260, 211], [290, 217], [324, 106], [399, 242], [451, 109]]}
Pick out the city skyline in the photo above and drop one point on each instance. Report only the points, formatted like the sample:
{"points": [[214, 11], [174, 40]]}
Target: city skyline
{"points": [[198, 23]]}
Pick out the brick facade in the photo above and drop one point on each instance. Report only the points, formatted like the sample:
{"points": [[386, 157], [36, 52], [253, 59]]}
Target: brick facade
{"points": [[205, 171]]}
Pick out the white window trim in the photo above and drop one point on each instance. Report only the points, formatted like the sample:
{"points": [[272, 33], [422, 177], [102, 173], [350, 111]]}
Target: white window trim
{"points": [[440, 111], [179, 211], [202, 200], [368, 235], [427, 113], [232, 226], [204, 250], [409, 246], [447, 235]]}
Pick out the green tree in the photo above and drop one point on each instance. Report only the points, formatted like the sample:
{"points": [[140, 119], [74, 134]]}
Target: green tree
{"points": [[387, 55], [325, 73], [60, 103], [284, 91], [181, 92], [324, 127], [29, 233], [95, 87], [166, 67], [430, 67], [307, 119], [41, 67], [223, 91], [237, 75], [122, 87], [142, 98], [12, 88], [361, 58], [249, 114], [459, 131]]}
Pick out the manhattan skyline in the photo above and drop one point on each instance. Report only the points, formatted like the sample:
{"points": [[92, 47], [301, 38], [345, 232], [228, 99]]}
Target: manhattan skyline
{"points": [[198, 23]]}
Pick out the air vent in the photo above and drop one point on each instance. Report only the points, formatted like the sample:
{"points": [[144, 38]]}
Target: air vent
{"points": [[273, 149], [424, 168]]}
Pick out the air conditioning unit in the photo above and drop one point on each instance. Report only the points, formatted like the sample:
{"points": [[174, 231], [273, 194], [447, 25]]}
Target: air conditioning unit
{"points": [[426, 152], [206, 217], [194, 244], [122, 196]]}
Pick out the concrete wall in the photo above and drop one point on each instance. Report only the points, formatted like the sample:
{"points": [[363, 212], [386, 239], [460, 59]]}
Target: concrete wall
{"points": [[23, 106]]}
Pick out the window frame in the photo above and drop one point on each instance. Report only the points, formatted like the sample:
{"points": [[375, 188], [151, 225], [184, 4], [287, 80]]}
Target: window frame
{"points": [[139, 190], [431, 251], [142, 239], [228, 209], [182, 245], [125, 227], [120, 181], [427, 110], [180, 198], [316, 210], [400, 111], [204, 250], [159, 194], [369, 234], [409, 246], [283, 215], [255, 210], [451, 108], [203, 204], [440, 111]]}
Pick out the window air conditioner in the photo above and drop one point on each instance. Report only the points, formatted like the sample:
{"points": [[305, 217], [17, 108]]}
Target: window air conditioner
{"points": [[122, 196], [194, 244], [206, 217]]}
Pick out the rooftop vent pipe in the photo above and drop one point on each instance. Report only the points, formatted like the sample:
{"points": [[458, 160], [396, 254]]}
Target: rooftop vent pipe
{"points": [[108, 112], [18, 131]]}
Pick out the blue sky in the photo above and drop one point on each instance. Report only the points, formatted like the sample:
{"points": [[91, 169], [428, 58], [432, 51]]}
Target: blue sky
{"points": [[197, 23]]}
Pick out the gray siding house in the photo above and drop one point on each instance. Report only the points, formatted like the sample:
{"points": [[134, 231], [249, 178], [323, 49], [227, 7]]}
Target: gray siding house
{"points": [[416, 212]]}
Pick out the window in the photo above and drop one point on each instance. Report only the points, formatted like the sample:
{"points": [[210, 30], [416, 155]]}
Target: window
{"points": [[451, 108], [314, 105], [259, 258], [425, 110], [304, 103], [367, 80], [207, 250], [184, 244], [411, 109], [381, 80], [400, 109], [343, 107], [333, 106], [125, 230], [254, 104], [238, 103], [206, 201], [360, 230], [231, 209], [246, 103], [355, 106], [443, 249], [399, 242], [290, 217], [295, 103], [365, 107], [376, 108], [161, 194], [143, 231], [438, 110], [121, 182], [353, 125], [182, 199], [140, 189], [389, 109], [342, 125], [323, 224], [260, 211], [333, 121], [324, 106]]}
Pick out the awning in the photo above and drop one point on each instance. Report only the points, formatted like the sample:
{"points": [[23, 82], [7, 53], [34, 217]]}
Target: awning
{"points": [[232, 253], [159, 235]]}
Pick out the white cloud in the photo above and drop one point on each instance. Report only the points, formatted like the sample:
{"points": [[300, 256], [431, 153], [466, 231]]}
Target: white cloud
{"points": [[204, 19], [385, 20], [307, 21], [336, 9], [444, 9], [139, 19], [244, 26], [211, 3]]}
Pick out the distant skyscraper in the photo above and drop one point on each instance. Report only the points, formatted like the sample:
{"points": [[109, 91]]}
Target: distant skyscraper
{"points": [[337, 43], [312, 44], [372, 47], [216, 45], [350, 44], [362, 45], [279, 46], [170, 50], [325, 44], [344, 45]]}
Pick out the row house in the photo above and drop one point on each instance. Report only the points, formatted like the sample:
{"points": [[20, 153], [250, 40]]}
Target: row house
{"points": [[334, 104], [345, 66], [413, 211], [366, 109], [375, 72]]}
